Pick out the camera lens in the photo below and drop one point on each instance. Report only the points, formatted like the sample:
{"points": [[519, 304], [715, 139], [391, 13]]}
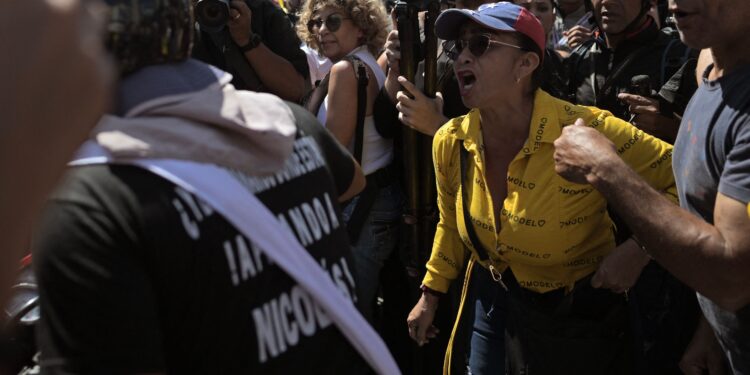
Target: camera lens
{"points": [[212, 15]]}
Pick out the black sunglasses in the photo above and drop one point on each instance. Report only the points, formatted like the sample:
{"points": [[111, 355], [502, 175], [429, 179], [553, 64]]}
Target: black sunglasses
{"points": [[333, 23], [478, 44]]}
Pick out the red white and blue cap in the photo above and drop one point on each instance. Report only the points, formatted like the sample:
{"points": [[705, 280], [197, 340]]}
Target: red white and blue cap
{"points": [[500, 16]]}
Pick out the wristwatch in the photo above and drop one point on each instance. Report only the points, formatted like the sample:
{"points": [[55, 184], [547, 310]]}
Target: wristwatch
{"points": [[254, 42]]}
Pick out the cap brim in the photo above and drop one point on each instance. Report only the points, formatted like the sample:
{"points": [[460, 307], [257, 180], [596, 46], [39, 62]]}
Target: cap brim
{"points": [[449, 22]]}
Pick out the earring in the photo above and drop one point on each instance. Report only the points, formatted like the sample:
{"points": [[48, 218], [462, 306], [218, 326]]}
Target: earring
{"points": [[518, 80]]}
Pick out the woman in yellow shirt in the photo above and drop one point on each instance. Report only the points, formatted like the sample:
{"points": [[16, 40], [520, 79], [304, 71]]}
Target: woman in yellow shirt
{"points": [[528, 229]]}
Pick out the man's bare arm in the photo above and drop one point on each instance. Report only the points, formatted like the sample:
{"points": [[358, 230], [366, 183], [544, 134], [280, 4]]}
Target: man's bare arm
{"points": [[712, 259]]}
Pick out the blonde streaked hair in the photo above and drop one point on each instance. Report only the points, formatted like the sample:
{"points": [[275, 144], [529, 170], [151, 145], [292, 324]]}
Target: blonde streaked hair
{"points": [[367, 15]]}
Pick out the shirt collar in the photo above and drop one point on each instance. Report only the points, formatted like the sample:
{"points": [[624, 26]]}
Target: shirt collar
{"points": [[543, 128]]}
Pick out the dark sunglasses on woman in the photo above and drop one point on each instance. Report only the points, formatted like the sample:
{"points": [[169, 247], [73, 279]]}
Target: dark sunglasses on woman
{"points": [[333, 23], [478, 44]]}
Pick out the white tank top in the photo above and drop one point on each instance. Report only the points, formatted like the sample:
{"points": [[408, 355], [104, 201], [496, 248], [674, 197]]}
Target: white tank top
{"points": [[377, 152]]}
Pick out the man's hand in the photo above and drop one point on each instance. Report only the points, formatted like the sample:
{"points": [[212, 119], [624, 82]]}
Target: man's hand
{"points": [[578, 35], [420, 319], [621, 268], [240, 24], [393, 56], [581, 151], [393, 52], [418, 111], [648, 118], [704, 354]]}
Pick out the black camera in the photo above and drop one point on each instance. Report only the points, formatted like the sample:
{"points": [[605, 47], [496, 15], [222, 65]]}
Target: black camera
{"points": [[212, 15]]}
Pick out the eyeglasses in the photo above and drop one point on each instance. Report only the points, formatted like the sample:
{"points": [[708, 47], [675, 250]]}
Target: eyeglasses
{"points": [[478, 44], [333, 23]]}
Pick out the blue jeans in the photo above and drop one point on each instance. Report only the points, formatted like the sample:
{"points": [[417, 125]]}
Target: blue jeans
{"points": [[375, 243], [487, 353]]}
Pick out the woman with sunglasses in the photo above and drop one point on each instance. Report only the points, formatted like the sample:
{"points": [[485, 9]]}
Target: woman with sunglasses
{"points": [[340, 30], [540, 247]]}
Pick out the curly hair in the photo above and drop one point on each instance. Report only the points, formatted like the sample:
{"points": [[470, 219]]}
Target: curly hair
{"points": [[367, 15]]}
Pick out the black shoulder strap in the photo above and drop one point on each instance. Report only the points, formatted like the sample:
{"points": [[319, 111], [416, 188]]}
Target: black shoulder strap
{"points": [[620, 69], [318, 94], [360, 71], [321, 91], [481, 252]]}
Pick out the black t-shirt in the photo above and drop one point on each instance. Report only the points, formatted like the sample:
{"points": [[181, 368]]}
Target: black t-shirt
{"points": [[272, 25], [138, 275], [656, 53]]}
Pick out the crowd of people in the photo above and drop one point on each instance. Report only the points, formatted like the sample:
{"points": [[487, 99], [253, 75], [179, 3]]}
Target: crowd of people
{"points": [[223, 187]]}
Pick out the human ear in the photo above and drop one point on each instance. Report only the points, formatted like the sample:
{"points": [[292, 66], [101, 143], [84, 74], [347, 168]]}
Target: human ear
{"points": [[527, 63]]}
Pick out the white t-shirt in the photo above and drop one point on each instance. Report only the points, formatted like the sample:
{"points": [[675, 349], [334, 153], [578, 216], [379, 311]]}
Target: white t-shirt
{"points": [[377, 152]]}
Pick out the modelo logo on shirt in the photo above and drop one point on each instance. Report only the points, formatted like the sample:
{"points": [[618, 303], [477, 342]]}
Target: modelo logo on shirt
{"points": [[630, 143], [584, 262], [539, 134], [521, 183], [513, 218], [667, 156], [574, 221], [569, 191], [526, 253], [540, 284], [480, 224]]}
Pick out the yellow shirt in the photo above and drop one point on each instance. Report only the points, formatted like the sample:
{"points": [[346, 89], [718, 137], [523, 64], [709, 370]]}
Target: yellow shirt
{"points": [[552, 232]]}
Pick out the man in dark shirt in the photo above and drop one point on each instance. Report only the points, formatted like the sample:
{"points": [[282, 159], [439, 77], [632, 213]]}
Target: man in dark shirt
{"points": [[259, 47], [706, 243], [629, 44], [139, 275]]}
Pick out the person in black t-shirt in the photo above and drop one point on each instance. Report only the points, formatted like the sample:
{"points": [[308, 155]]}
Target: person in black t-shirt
{"points": [[138, 275], [260, 48]]}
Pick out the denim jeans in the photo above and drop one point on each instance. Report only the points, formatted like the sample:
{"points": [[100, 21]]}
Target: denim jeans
{"points": [[487, 353], [375, 243]]}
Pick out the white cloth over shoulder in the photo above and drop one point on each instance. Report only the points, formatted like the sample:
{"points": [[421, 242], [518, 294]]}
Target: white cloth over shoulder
{"points": [[319, 65], [248, 131]]}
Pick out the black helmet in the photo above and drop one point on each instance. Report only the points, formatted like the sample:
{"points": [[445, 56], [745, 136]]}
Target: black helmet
{"points": [[149, 32]]}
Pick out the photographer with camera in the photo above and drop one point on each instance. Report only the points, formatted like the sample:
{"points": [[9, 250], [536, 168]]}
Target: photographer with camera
{"points": [[254, 41]]}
